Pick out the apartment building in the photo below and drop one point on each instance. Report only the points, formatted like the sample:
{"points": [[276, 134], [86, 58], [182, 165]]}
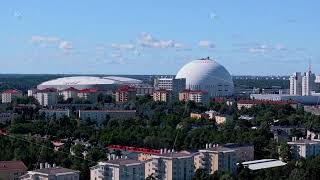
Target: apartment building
{"points": [[12, 170], [54, 113], [171, 165], [196, 96], [10, 95], [125, 94], [162, 95], [52, 173], [47, 97], [304, 148], [69, 93], [118, 169], [90, 95], [216, 158]]}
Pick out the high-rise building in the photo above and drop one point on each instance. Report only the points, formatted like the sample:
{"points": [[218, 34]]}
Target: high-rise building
{"points": [[308, 83], [170, 84], [296, 84], [172, 165], [124, 169]]}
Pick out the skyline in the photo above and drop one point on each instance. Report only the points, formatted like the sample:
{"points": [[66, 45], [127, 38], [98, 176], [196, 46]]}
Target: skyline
{"points": [[247, 37]]}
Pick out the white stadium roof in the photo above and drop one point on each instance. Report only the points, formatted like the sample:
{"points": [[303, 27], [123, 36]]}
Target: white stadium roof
{"points": [[87, 81]]}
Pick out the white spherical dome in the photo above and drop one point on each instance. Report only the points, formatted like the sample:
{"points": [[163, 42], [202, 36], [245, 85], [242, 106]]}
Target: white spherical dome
{"points": [[207, 75]]}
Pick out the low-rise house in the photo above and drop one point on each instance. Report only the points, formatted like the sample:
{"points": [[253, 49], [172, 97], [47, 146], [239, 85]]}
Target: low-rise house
{"points": [[54, 113], [10, 95], [12, 170], [212, 114], [222, 119], [52, 173], [118, 169], [199, 116], [101, 115]]}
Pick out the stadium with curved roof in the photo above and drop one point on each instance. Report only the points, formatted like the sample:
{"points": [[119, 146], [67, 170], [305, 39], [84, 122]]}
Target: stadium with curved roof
{"points": [[207, 75], [88, 82]]}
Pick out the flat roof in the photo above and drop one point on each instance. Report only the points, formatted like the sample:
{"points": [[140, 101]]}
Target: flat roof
{"points": [[175, 155], [120, 162], [263, 164], [55, 171]]}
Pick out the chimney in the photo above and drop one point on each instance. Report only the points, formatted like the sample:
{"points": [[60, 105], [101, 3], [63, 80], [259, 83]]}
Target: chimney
{"points": [[46, 165], [165, 150], [161, 151], [41, 165], [109, 157], [210, 145], [49, 165], [54, 165], [172, 150], [207, 146], [169, 151]]}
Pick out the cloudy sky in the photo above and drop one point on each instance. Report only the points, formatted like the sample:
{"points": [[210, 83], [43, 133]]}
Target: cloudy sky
{"points": [[249, 37]]}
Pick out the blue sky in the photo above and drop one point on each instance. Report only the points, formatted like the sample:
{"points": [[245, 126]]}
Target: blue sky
{"points": [[249, 37]]}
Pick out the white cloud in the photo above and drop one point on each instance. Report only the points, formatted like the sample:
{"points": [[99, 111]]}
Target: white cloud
{"points": [[44, 39], [126, 46], [51, 41], [147, 40], [206, 44], [65, 45]]}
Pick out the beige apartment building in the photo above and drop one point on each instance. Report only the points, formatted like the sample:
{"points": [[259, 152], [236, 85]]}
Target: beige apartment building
{"points": [[125, 94], [118, 169], [162, 95], [10, 95], [171, 166], [216, 158]]}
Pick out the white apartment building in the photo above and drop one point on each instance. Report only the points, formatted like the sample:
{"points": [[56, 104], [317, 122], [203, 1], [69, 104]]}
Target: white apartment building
{"points": [[101, 115], [308, 83], [216, 158], [54, 113], [197, 96], [52, 173], [47, 97], [304, 148], [69, 93], [118, 169], [170, 166], [296, 84], [170, 84], [10, 95]]}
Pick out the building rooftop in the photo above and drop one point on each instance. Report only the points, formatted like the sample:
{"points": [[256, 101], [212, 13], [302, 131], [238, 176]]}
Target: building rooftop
{"points": [[47, 90], [55, 171], [218, 149], [88, 91], [121, 162], [263, 164], [265, 102], [12, 165], [11, 91], [71, 89], [304, 141], [107, 110], [175, 155]]}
